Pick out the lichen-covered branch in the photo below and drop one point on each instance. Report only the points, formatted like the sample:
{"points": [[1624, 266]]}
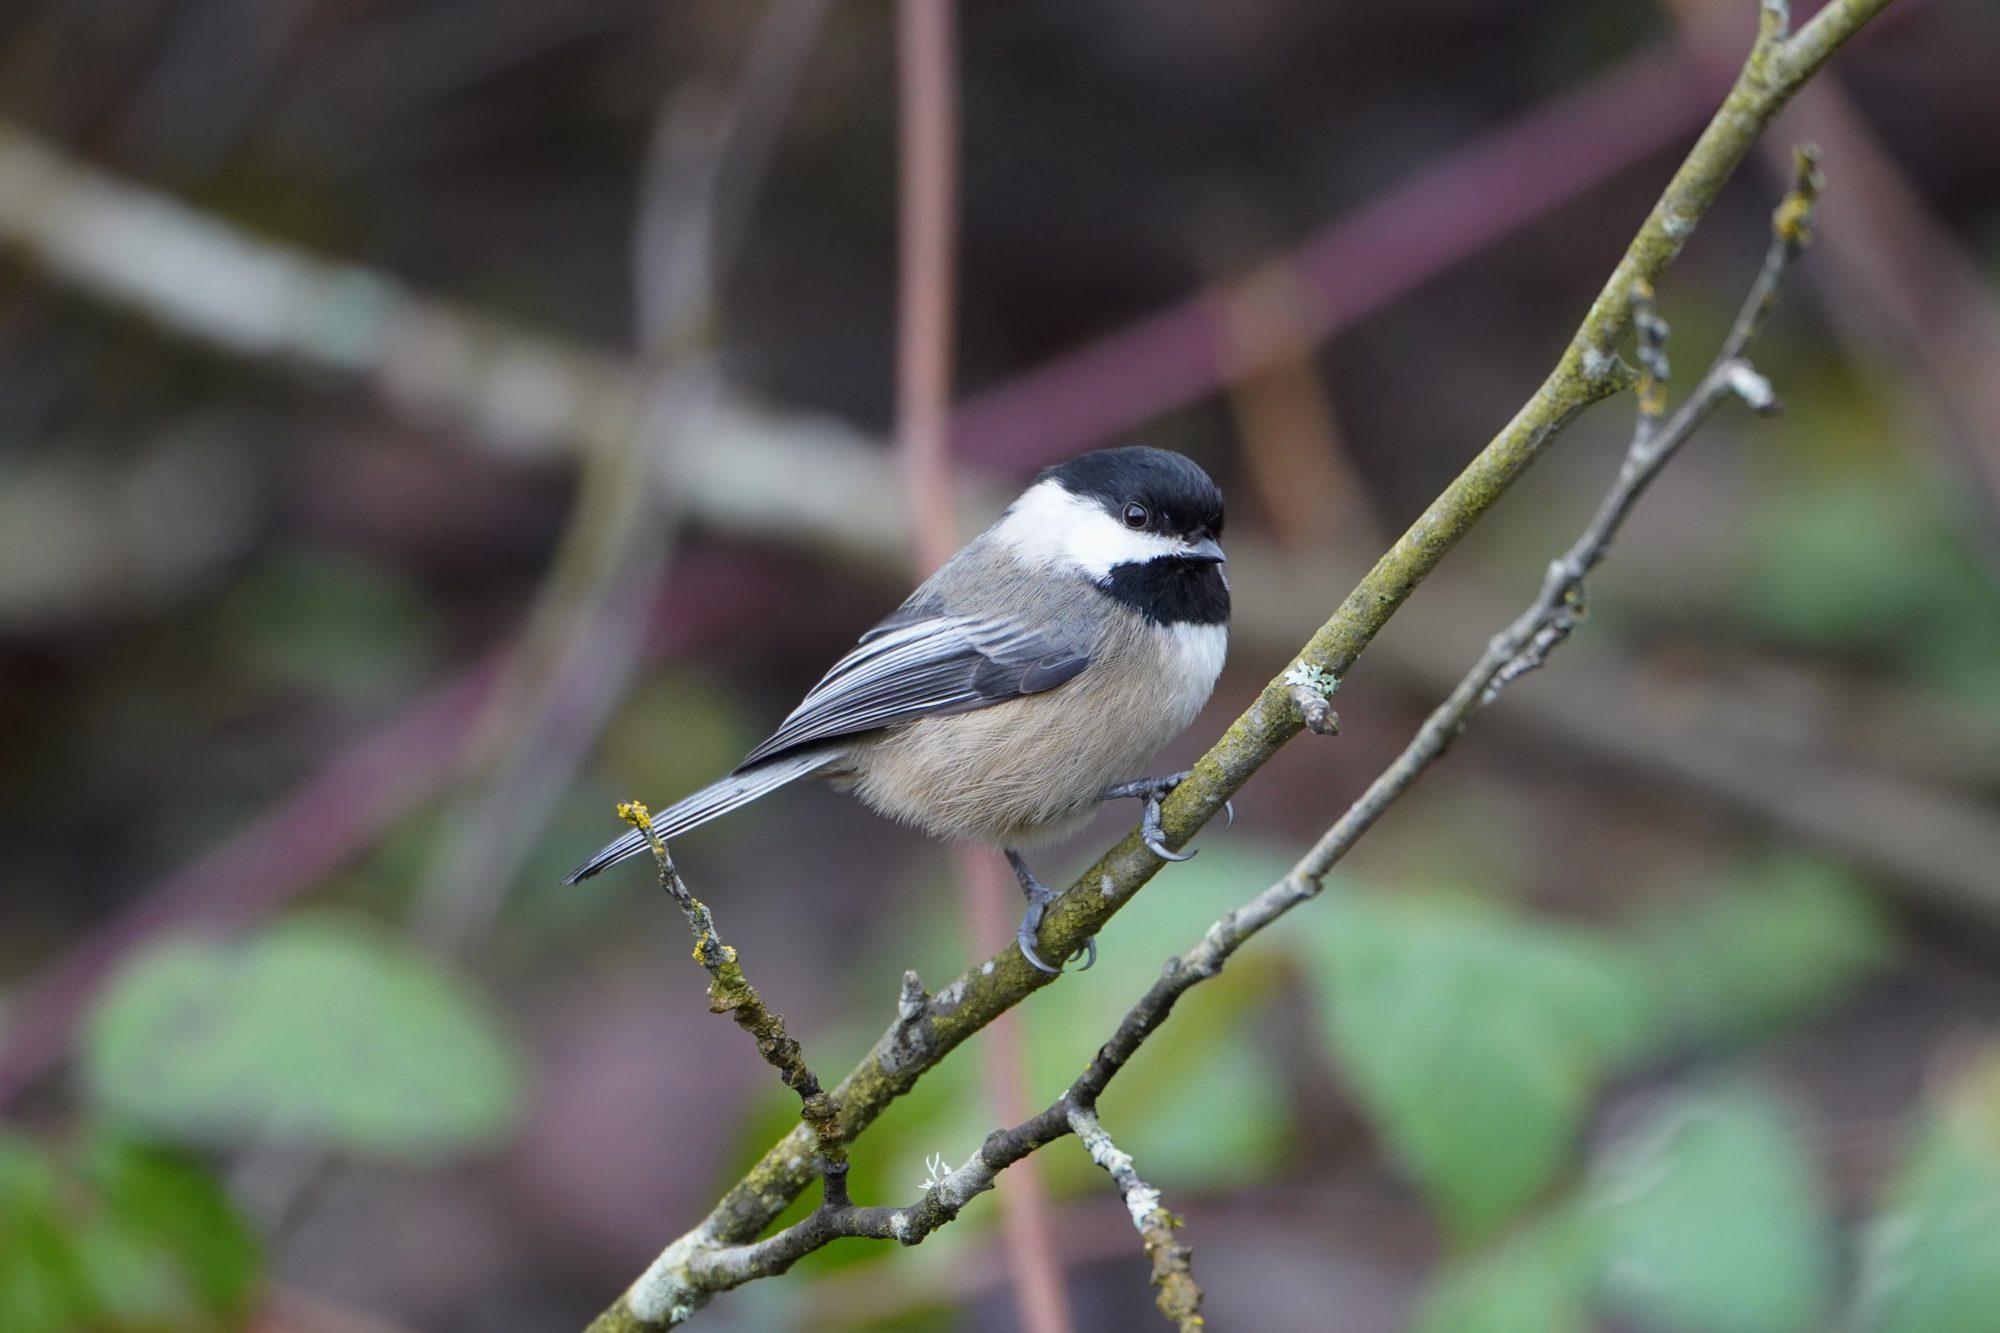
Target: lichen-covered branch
{"points": [[1588, 371], [730, 992], [1173, 1272]]}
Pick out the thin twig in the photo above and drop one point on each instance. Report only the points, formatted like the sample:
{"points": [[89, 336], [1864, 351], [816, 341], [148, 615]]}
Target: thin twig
{"points": [[730, 992], [1179, 1297], [927, 114]]}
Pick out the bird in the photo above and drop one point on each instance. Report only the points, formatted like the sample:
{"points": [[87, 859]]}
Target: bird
{"points": [[1024, 682]]}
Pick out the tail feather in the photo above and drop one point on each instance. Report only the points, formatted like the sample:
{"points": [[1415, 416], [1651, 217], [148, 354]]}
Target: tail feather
{"points": [[718, 798]]}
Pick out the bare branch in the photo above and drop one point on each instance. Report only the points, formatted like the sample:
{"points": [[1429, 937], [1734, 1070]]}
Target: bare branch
{"points": [[730, 992]]}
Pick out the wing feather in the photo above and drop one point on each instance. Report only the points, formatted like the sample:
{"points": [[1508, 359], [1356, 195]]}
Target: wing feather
{"points": [[917, 664]]}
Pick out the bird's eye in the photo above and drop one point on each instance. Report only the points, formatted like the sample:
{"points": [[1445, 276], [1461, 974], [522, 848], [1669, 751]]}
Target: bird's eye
{"points": [[1136, 515]]}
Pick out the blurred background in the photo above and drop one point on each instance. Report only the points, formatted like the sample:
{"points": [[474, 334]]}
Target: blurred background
{"points": [[423, 425]]}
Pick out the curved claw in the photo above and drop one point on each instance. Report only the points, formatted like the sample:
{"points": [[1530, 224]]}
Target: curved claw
{"points": [[1164, 852], [1039, 897], [1155, 837], [1229, 814], [1026, 939]]}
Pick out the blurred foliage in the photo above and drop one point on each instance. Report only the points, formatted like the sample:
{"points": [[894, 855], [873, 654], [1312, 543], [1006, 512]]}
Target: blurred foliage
{"points": [[1533, 1283], [1478, 1041], [116, 1234], [316, 1031], [1775, 941], [326, 620], [1706, 1218], [1474, 1039], [1703, 1220], [677, 729], [1931, 1261], [1858, 561]]}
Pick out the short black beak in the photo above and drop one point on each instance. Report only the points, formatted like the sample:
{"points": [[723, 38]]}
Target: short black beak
{"points": [[1207, 552]]}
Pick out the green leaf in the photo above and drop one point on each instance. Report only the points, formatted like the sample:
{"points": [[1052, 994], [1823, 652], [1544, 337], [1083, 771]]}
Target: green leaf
{"points": [[1538, 1281], [1475, 1041], [1928, 1262], [1774, 945], [116, 1235], [168, 1202], [1709, 1221], [43, 1288], [315, 1031]]}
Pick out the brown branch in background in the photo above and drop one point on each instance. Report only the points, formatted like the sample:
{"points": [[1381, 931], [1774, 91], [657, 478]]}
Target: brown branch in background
{"points": [[525, 395], [927, 122], [1296, 453], [927, 119]]}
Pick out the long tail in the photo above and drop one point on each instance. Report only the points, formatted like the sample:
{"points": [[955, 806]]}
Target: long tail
{"points": [[718, 798]]}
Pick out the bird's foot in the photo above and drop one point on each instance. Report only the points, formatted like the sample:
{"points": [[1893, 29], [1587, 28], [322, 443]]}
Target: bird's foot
{"points": [[1154, 790], [1039, 897]]}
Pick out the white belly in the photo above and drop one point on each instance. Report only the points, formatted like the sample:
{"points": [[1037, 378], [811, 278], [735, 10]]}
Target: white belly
{"points": [[1030, 770]]}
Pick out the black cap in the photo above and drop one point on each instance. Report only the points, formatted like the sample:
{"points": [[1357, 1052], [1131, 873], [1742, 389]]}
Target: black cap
{"points": [[1178, 496]]}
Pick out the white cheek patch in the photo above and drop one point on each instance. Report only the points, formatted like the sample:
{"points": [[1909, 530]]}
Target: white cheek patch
{"points": [[1048, 527]]}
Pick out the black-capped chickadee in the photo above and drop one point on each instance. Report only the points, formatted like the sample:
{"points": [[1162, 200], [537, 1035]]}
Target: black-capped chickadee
{"points": [[1028, 679]]}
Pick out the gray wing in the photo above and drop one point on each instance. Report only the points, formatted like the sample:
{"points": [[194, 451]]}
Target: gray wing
{"points": [[919, 664]]}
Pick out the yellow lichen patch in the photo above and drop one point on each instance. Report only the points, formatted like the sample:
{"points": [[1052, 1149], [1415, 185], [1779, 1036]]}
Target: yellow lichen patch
{"points": [[636, 814], [1652, 395], [1793, 220]]}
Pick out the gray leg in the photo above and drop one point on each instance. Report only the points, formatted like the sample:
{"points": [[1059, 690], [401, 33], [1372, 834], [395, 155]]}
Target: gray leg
{"points": [[1040, 896], [1153, 789]]}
